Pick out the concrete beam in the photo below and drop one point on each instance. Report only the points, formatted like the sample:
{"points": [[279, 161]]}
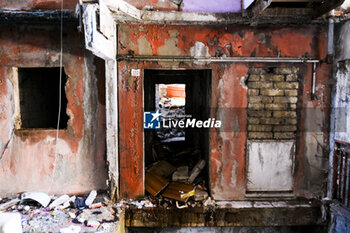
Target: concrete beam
{"points": [[254, 215], [105, 46], [95, 41], [122, 6]]}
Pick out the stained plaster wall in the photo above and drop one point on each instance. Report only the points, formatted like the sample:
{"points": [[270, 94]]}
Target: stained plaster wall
{"points": [[339, 220], [228, 147], [342, 76], [28, 158]]}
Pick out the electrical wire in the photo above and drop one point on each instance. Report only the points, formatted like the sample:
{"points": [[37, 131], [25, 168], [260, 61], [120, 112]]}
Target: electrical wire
{"points": [[59, 97]]}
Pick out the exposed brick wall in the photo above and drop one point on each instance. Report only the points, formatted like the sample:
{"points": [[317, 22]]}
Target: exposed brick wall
{"points": [[273, 97]]}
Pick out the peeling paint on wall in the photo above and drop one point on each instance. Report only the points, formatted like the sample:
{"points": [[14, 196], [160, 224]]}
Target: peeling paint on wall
{"points": [[30, 162], [342, 100], [227, 172]]}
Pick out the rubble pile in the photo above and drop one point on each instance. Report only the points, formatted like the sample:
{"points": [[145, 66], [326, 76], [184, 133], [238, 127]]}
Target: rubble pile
{"points": [[65, 214], [178, 183]]}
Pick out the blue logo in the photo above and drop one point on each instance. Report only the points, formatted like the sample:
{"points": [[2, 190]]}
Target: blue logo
{"points": [[151, 120]]}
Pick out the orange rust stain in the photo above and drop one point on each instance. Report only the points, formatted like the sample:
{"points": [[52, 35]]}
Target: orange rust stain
{"points": [[245, 41], [131, 135]]}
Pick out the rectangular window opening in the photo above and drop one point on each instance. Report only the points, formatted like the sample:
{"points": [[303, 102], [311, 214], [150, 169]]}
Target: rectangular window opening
{"points": [[39, 90]]}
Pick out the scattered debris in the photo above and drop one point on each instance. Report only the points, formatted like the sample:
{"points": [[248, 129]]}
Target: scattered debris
{"points": [[90, 199], [9, 204], [92, 223], [181, 174], [67, 203], [42, 198], [61, 215], [62, 199], [176, 189], [200, 195], [79, 203], [95, 205], [209, 202]]}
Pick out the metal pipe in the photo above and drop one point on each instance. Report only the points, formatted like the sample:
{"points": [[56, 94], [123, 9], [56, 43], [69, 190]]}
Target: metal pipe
{"points": [[219, 59]]}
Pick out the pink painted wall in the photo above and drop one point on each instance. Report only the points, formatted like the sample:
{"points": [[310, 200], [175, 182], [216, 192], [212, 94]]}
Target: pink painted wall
{"points": [[29, 162]]}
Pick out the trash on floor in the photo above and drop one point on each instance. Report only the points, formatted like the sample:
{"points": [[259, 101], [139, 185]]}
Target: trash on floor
{"points": [[62, 215], [42, 198], [9, 204]]}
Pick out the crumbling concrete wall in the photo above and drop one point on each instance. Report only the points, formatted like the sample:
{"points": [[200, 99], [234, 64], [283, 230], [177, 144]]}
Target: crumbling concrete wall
{"points": [[32, 160], [339, 221], [37, 4], [342, 76], [227, 172]]}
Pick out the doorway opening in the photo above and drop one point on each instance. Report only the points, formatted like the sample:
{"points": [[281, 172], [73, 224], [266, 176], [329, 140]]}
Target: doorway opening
{"points": [[176, 157]]}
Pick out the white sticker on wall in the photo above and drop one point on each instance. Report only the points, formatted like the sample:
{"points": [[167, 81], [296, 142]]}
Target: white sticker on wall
{"points": [[135, 72]]}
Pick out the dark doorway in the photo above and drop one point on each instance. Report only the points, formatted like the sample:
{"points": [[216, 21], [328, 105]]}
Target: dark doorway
{"points": [[178, 95]]}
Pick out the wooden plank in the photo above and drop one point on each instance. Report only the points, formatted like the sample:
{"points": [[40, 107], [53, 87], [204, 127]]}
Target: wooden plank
{"points": [[155, 184], [175, 189]]}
